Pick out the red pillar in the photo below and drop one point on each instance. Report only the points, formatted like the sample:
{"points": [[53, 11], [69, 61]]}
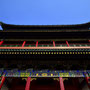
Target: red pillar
{"points": [[67, 43], [1, 42], [36, 43], [54, 43], [28, 83], [2, 81], [88, 40], [23, 43], [61, 83], [87, 81]]}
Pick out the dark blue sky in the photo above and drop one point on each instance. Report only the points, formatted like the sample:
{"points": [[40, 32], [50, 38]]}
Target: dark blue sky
{"points": [[44, 12]]}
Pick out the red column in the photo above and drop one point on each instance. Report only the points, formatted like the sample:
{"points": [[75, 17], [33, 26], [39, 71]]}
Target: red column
{"points": [[36, 43], [1, 42], [28, 83], [23, 43], [67, 43], [54, 43], [61, 83], [88, 40], [2, 81], [87, 81]]}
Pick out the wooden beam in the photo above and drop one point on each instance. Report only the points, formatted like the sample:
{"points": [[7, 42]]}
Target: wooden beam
{"points": [[23, 44], [1, 42], [54, 43], [67, 43], [88, 47], [36, 43], [2, 81]]}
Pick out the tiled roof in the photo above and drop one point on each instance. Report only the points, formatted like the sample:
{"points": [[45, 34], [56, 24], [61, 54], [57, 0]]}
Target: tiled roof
{"points": [[45, 27]]}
